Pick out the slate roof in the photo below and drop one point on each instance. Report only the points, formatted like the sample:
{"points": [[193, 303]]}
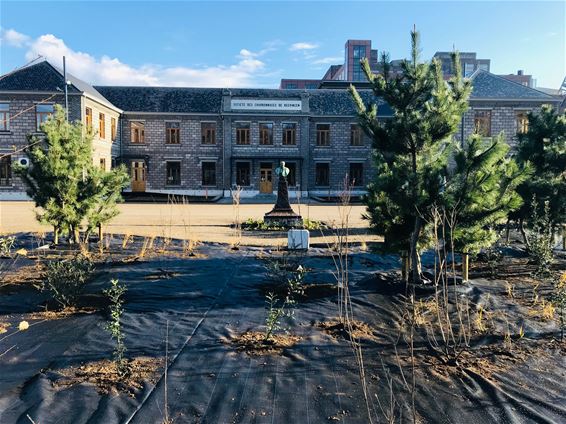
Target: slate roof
{"points": [[44, 76], [39, 77], [164, 99], [340, 103], [489, 86], [209, 100], [323, 102]]}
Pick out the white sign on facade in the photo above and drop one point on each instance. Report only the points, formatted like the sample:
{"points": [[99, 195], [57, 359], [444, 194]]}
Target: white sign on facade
{"points": [[271, 105]]}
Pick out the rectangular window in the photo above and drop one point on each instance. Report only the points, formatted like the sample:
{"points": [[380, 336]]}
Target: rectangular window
{"points": [[172, 133], [208, 132], [482, 122], [289, 134], [356, 135], [103, 164], [322, 174], [88, 119], [6, 171], [356, 174], [266, 133], [323, 134], [137, 130], [4, 116], [359, 54], [242, 133], [173, 173], [243, 173], [209, 173], [113, 129], [468, 69], [42, 114], [522, 122], [101, 125], [292, 177]]}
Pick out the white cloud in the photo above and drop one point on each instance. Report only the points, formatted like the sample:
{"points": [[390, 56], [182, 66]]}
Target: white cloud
{"points": [[329, 60], [13, 38], [106, 70], [303, 46]]}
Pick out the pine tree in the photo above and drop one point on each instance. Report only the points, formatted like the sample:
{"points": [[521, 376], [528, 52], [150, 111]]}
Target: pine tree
{"points": [[481, 191], [63, 181], [543, 146], [104, 191], [411, 149]]}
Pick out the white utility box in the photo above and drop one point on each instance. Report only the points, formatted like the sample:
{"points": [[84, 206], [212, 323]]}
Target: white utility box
{"points": [[298, 239]]}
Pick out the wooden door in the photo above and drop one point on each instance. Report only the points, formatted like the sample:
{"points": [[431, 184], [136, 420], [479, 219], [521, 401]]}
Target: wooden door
{"points": [[138, 175], [266, 180]]}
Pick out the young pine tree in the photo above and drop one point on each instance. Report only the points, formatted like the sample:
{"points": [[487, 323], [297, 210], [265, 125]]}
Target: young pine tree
{"points": [[64, 182], [481, 191], [411, 149], [543, 146]]}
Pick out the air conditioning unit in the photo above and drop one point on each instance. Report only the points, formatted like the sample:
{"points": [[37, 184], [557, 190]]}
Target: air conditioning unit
{"points": [[23, 162]]}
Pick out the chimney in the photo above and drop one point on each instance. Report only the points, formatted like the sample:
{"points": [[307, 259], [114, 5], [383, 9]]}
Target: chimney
{"points": [[520, 72]]}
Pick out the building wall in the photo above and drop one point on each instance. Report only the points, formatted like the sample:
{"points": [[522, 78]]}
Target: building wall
{"points": [[103, 148], [190, 152], [23, 124], [339, 154], [503, 118]]}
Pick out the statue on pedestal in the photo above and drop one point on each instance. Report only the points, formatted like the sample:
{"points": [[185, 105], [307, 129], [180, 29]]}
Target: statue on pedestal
{"points": [[282, 214]]}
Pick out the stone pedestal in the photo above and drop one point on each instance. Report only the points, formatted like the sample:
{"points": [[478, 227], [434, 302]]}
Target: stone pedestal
{"points": [[282, 214]]}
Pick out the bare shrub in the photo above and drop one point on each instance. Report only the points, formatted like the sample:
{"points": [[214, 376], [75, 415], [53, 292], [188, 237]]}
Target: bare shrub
{"points": [[450, 332]]}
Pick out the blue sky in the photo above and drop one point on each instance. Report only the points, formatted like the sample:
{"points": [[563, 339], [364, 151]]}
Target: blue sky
{"points": [[257, 43]]}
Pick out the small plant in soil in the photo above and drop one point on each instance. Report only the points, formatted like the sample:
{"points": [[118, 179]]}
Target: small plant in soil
{"points": [[6, 245], [540, 240], [493, 256], [280, 308], [276, 310], [115, 294], [66, 279]]}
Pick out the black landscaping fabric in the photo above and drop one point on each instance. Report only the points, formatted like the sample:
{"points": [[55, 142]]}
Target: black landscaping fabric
{"points": [[208, 300]]}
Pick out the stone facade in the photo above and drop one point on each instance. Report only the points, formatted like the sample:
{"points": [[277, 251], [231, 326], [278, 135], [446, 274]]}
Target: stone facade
{"points": [[171, 157], [22, 124], [503, 118], [190, 152]]}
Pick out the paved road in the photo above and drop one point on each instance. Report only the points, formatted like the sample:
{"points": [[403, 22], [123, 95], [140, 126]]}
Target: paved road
{"points": [[202, 222]]}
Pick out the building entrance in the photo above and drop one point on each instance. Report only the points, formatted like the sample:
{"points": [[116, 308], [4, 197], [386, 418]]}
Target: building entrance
{"points": [[138, 175], [266, 178]]}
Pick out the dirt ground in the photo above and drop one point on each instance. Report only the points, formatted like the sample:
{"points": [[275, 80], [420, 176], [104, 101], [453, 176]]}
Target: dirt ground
{"points": [[513, 372], [199, 221]]}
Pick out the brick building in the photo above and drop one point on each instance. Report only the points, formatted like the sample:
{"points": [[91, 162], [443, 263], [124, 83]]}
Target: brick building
{"points": [[28, 97], [204, 141]]}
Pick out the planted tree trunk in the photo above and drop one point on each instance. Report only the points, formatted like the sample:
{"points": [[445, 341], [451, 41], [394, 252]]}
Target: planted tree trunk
{"points": [[55, 235], [465, 266], [415, 262], [405, 266]]}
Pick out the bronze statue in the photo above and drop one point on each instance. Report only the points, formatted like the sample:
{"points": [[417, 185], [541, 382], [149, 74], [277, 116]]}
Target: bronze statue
{"points": [[282, 214]]}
